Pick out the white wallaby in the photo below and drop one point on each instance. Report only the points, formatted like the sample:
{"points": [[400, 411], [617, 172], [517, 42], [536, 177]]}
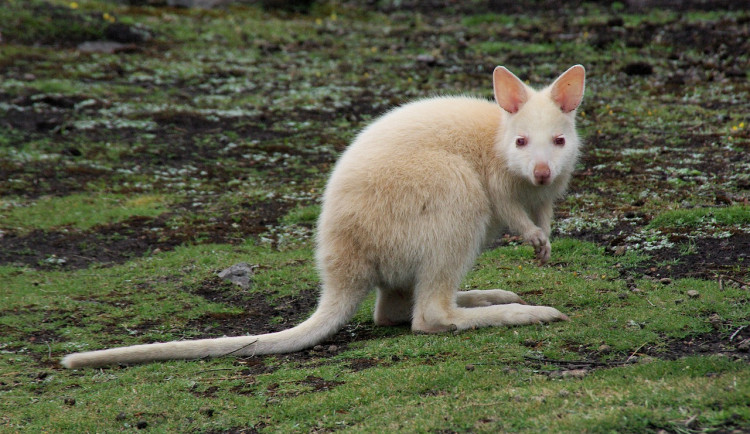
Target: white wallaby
{"points": [[408, 208]]}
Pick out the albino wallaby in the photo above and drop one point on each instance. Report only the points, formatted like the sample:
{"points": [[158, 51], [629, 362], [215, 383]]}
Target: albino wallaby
{"points": [[408, 208]]}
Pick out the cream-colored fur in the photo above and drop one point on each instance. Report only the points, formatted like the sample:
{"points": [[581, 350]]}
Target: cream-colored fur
{"points": [[408, 208]]}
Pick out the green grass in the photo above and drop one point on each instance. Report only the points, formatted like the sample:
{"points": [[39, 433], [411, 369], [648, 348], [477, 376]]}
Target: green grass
{"points": [[413, 377], [83, 211], [694, 218], [302, 214], [28, 22]]}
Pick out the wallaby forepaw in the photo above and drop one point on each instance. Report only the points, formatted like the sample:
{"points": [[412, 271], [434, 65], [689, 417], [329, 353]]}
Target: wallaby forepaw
{"points": [[542, 248], [543, 253]]}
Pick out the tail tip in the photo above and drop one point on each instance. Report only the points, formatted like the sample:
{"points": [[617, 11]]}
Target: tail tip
{"points": [[69, 361]]}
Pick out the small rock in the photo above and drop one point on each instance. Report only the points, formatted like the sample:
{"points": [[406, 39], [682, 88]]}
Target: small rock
{"points": [[665, 280], [575, 373], [427, 59], [239, 274], [469, 367], [693, 293], [333, 348], [108, 47], [715, 321], [634, 324], [604, 348]]}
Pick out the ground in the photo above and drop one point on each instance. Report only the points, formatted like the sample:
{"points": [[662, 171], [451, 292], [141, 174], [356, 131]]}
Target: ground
{"points": [[144, 148]]}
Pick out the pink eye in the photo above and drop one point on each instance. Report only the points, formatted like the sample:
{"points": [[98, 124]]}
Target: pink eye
{"points": [[560, 141], [521, 142]]}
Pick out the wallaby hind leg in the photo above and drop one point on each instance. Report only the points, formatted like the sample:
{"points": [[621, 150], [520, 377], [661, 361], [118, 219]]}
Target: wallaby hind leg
{"points": [[435, 310], [393, 306], [488, 297]]}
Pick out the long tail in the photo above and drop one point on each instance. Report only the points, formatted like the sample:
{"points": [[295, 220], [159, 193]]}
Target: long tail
{"points": [[329, 318]]}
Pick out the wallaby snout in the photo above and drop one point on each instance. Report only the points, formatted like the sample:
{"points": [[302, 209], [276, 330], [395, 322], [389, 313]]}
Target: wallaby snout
{"points": [[542, 173]]}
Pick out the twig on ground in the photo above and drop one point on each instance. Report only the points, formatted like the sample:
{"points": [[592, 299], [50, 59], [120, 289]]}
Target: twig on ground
{"points": [[576, 363], [635, 352], [216, 369], [736, 332], [239, 349], [734, 279], [234, 377]]}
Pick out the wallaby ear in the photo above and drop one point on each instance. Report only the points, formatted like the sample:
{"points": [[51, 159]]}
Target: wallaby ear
{"points": [[510, 92], [567, 90]]}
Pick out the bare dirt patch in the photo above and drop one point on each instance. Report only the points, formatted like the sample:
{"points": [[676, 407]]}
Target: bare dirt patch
{"points": [[71, 248], [733, 343], [712, 259]]}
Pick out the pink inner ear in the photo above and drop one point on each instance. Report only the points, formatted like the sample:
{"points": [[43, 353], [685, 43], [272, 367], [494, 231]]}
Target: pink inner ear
{"points": [[510, 92], [567, 90]]}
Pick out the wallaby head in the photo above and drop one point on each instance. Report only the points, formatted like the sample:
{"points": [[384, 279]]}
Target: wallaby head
{"points": [[538, 138]]}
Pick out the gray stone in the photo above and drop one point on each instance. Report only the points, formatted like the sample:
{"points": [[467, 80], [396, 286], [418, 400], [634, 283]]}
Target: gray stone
{"points": [[240, 274], [108, 47]]}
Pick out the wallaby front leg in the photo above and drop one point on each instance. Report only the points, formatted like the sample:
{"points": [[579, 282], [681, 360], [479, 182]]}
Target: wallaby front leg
{"points": [[542, 217], [519, 222]]}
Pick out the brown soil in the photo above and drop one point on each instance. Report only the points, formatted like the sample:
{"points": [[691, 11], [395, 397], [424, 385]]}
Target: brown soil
{"points": [[132, 238]]}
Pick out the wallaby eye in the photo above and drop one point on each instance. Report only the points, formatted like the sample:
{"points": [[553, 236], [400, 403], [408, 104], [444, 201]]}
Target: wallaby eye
{"points": [[521, 142], [559, 141]]}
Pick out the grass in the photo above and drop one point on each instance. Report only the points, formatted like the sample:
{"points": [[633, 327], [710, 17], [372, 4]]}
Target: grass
{"points": [[221, 130], [694, 218], [412, 377], [83, 211]]}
